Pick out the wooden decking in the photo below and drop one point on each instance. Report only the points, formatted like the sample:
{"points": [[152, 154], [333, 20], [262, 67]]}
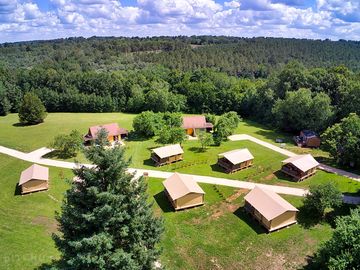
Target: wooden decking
{"points": [[229, 168], [296, 175], [165, 161]]}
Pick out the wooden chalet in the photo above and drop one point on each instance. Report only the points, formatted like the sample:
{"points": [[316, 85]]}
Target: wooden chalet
{"points": [[115, 133], [235, 160], [35, 178], [183, 192], [195, 124], [300, 167], [308, 138], [269, 209], [167, 154]]}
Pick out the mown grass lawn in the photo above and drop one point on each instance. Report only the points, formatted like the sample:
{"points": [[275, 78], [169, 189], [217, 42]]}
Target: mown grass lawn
{"points": [[266, 164], [218, 235]]}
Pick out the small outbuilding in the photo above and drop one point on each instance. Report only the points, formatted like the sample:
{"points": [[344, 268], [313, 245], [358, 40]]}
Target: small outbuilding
{"points": [[195, 124], [235, 160], [115, 133], [167, 154], [267, 207], [183, 191], [35, 178], [300, 167], [308, 138]]}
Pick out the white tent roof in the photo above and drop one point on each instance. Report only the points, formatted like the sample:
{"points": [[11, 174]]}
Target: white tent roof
{"points": [[268, 203], [179, 185], [168, 151], [237, 156], [35, 172], [302, 162]]}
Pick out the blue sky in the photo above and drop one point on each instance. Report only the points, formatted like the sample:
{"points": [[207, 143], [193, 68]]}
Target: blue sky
{"points": [[47, 19]]}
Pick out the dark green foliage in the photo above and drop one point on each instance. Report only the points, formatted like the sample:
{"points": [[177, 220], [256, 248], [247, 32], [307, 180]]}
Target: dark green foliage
{"points": [[322, 197], [342, 140], [342, 251], [301, 110], [31, 110], [210, 118], [68, 144], [171, 135], [225, 126], [148, 123], [106, 221], [5, 105]]}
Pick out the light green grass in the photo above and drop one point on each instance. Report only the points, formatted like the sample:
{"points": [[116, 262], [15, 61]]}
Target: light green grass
{"points": [[29, 138], [218, 233]]}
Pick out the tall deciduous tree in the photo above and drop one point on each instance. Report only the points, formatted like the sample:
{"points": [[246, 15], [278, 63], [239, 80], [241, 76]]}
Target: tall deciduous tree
{"points": [[225, 126], [106, 221], [205, 139], [68, 144], [321, 197], [32, 110], [342, 140], [342, 251]]}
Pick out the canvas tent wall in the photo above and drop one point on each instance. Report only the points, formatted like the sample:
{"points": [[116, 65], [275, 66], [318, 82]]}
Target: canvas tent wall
{"points": [[183, 192], [235, 160], [300, 167], [35, 178], [167, 154], [271, 210]]}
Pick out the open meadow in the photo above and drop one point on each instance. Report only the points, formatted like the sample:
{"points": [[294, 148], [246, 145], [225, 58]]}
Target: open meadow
{"points": [[218, 235]]}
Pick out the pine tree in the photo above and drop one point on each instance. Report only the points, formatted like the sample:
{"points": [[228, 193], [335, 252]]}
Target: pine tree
{"points": [[106, 221]]}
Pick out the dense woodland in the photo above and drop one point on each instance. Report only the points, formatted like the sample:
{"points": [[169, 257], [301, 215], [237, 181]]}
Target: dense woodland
{"points": [[291, 83]]}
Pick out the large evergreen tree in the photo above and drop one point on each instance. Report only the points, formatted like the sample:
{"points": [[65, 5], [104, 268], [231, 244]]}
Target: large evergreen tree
{"points": [[106, 221]]}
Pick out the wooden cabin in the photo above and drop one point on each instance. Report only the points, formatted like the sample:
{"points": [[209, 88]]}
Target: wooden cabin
{"points": [[167, 154], [308, 138], [196, 124], [183, 192], [35, 178], [115, 133], [269, 209], [300, 167], [235, 160]]}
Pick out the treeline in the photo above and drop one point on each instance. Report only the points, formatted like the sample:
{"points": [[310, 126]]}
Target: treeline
{"points": [[293, 98], [244, 57]]}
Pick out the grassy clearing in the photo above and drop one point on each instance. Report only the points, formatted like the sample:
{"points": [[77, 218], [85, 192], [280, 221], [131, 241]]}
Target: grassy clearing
{"points": [[218, 235], [266, 164]]}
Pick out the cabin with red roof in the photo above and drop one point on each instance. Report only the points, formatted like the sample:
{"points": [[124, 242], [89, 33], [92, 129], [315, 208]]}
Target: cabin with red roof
{"points": [[195, 124], [115, 133]]}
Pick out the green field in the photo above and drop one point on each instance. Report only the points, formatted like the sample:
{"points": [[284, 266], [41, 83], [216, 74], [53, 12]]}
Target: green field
{"points": [[218, 235], [266, 163]]}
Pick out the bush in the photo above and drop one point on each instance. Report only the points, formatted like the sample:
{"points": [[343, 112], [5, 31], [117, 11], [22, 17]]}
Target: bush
{"points": [[321, 197], [68, 145], [172, 135], [32, 110], [148, 123], [205, 139]]}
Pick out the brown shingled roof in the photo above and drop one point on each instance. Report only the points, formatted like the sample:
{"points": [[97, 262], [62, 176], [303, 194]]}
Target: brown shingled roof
{"points": [[196, 121], [113, 129]]}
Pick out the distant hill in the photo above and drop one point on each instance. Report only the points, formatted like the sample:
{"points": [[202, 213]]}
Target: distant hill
{"points": [[248, 57]]}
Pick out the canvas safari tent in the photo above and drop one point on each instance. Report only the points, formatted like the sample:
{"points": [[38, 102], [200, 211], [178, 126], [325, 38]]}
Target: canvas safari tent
{"points": [[34, 178], [183, 191], [267, 207], [195, 124], [167, 154], [235, 160], [115, 133], [300, 167]]}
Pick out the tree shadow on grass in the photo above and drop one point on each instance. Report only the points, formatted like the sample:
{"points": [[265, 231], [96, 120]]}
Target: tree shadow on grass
{"points": [[55, 264], [24, 124], [306, 218], [244, 216], [163, 202], [133, 137], [57, 154], [197, 149], [149, 162]]}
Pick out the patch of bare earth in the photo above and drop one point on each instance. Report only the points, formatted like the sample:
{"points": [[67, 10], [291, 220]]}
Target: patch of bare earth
{"points": [[270, 260], [50, 224], [270, 177], [227, 206]]}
